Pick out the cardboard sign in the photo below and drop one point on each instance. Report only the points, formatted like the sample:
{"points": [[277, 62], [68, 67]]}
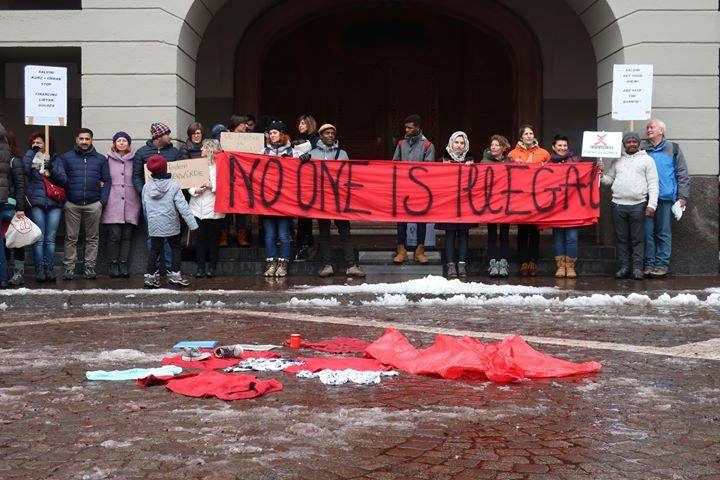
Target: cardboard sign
{"points": [[188, 173], [242, 142], [602, 144], [632, 92], [45, 95]]}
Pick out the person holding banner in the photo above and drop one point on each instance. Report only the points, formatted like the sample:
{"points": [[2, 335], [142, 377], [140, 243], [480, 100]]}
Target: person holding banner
{"points": [[456, 151], [11, 178], [45, 211], [278, 228], [634, 182], [413, 148], [328, 148], [528, 150], [565, 239], [674, 185], [308, 137], [498, 266]]}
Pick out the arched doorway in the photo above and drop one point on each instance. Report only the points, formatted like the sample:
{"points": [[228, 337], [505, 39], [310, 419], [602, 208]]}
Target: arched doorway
{"points": [[473, 66]]}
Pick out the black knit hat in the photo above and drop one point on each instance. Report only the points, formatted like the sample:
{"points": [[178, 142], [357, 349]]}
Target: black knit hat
{"points": [[278, 125]]}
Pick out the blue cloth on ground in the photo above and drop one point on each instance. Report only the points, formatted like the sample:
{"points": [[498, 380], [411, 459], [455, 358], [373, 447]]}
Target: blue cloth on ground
{"points": [[133, 373]]}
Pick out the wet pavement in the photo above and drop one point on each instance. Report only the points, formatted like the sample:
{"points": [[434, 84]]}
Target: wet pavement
{"points": [[652, 412]]}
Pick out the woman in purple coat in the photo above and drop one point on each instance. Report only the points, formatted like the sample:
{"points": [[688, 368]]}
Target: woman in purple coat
{"points": [[122, 211]]}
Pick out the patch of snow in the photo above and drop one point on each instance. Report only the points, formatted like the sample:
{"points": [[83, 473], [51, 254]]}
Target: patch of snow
{"points": [[119, 355], [114, 444], [211, 304], [180, 304], [313, 302]]}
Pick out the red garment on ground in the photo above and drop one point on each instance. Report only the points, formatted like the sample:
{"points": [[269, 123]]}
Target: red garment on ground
{"points": [[214, 363], [315, 364], [450, 357], [225, 386], [336, 345]]}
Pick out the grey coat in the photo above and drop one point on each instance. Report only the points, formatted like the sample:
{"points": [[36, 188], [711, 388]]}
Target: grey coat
{"points": [[324, 152], [413, 149], [162, 201]]}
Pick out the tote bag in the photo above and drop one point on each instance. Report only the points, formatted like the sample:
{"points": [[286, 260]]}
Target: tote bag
{"points": [[21, 233]]}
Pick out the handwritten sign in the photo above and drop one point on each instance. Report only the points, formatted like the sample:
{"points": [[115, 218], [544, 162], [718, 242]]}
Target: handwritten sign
{"points": [[45, 95], [188, 173], [632, 92], [242, 142], [602, 144]]}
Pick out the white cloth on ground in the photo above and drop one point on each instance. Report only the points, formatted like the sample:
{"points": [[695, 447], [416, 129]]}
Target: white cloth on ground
{"points": [[340, 377], [133, 373], [262, 365]]}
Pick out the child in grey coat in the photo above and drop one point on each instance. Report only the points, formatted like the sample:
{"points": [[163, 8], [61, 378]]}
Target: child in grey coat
{"points": [[163, 204]]}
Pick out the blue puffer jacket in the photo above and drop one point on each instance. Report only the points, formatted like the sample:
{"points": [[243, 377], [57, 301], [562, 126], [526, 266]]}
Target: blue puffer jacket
{"points": [[35, 186], [80, 172]]}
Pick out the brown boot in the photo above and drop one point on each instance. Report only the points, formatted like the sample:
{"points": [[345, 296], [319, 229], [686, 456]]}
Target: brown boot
{"points": [[401, 256], [223, 240], [561, 271], [242, 238], [420, 256], [570, 267]]}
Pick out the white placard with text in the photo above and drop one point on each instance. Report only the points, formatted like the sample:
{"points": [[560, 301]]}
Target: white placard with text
{"points": [[632, 92], [45, 95], [602, 144]]}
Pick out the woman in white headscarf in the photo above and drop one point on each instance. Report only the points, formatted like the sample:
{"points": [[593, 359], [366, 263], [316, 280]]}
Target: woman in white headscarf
{"points": [[457, 151]]}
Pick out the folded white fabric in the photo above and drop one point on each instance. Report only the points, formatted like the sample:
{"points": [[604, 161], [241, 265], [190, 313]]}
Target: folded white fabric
{"points": [[251, 347], [262, 365], [133, 373], [677, 210], [340, 377]]}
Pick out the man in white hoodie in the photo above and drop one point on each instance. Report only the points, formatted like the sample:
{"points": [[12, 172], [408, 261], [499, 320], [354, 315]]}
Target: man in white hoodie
{"points": [[634, 183]]}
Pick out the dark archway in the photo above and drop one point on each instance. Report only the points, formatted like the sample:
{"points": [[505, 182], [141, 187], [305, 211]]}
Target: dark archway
{"points": [[468, 65]]}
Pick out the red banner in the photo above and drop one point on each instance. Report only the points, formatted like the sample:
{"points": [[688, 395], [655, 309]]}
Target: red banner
{"points": [[563, 195]]}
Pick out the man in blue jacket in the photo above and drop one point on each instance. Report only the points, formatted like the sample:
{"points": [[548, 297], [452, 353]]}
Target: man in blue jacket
{"points": [[85, 175], [674, 183]]}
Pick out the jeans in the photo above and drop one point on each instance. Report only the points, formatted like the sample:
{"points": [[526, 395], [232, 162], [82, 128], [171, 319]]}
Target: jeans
{"points": [[7, 212], [277, 228], [492, 248], [48, 220], [658, 236], [402, 233], [528, 241], [461, 234], [157, 245], [120, 241], [629, 221], [207, 241], [343, 227], [566, 242], [167, 253]]}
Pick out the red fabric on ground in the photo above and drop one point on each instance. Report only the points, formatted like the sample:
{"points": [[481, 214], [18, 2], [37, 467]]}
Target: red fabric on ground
{"points": [[214, 363], [450, 357], [225, 386], [336, 345], [315, 364]]}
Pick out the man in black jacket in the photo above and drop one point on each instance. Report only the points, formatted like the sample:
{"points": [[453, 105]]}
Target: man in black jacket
{"points": [[160, 143], [11, 179]]}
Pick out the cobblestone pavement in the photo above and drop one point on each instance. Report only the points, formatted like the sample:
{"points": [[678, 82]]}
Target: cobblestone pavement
{"points": [[653, 412]]}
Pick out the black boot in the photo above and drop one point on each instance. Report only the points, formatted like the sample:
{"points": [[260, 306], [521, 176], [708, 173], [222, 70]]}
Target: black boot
{"points": [[123, 269], [50, 273], [114, 270], [40, 275]]}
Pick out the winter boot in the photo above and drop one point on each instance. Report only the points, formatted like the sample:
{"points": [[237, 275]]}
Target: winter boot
{"points": [[223, 239], [561, 271], [419, 255], [493, 269], [451, 270], [114, 270], [401, 256], [123, 269], [570, 267], [355, 271], [176, 278], [17, 277], [242, 238], [532, 268], [270, 267], [524, 269], [89, 273], [503, 268], [327, 271], [461, 271], [40, 273], [282, 268], [152, 280]]}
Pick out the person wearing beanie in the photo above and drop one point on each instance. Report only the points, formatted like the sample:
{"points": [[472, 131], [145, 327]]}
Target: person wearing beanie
{"points": [[122, 212], [12, 179], [164, 204], [159, 143], [217, 129], [85, 175], [633, 179]]}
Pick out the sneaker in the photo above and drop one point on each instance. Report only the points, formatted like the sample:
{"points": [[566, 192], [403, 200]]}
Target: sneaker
{"points": [[193, 354], [89, 273], [656, 273], [494, 268], [532, 268], [69, 274], [210, 272], [151, 280], [451, 270], [637, 274], [648, 272], [270, 267], [461, 271], [355, 271], [302, 254], [176, 278], [503, 268], [282, 268], [327, 271]]}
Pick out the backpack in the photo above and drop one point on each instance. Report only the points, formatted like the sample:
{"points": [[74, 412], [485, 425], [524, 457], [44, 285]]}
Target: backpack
{"points": [[426, 146]]}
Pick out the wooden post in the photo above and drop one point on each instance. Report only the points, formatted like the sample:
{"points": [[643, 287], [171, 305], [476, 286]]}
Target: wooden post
{"points": [[47, 140], [632, 125]]}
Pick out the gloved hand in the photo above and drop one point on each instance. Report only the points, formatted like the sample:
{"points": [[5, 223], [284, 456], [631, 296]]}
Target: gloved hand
{"points": [[304, 157]]}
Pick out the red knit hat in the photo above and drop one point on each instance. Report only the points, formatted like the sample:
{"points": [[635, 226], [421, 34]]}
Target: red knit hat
{"points": [[157, 164]]}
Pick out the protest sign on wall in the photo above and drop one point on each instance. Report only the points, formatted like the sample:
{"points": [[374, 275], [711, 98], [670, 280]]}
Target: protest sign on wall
{"points": [[632, 92], [45, 95], [242, 142], [188, 173], [602, 144]]}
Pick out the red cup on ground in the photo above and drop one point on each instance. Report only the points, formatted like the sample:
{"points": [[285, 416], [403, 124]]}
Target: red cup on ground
{"points": [[295, 340]]}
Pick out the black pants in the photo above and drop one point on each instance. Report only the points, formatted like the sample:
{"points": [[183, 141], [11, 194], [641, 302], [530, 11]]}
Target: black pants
{"points": [[207, 241], [343, 227], [304, 236], [120, 241], [156, 249], [451, 236], [629, 221], [18, 254], [492, 247], [528, 243]]}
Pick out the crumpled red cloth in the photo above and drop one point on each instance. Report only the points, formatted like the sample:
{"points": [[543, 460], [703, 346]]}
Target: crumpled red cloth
{"points": [[336, 345], [451, 357], [315, 364], [214, 363], [225, 386]]}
